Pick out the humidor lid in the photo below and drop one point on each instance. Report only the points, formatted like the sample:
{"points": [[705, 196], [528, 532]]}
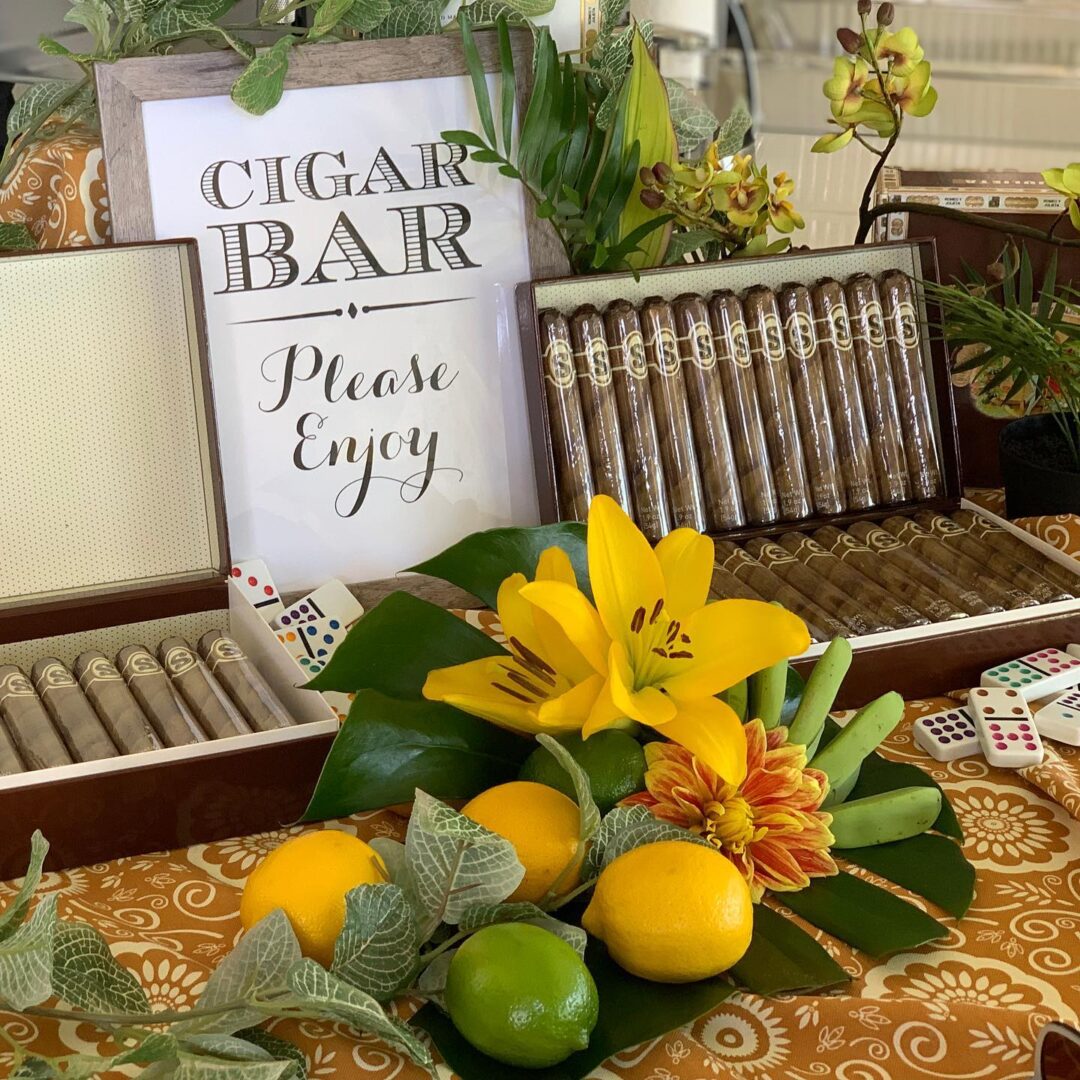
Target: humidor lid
{"points": [[108, 445]]}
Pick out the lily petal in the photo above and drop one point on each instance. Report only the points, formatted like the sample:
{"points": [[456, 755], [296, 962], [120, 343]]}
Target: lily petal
{"points": [[555, 565], [712, 732], [648, 705], [576, 618], [480, 688], [686, 561], [571, 711]]}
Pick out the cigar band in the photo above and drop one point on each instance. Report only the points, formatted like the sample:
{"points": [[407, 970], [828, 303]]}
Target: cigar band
{"points": [[946, 527], [597, 362], [802, 338], [906, 323], [772, 338], [839, 326], [808, 549], [100, 670], [701, 349], [848, 543], [140, 664], [666, 347], [15, 685], [880, 540], [223, 651], [739, 339], [873, 323], [775, 554], [632, 353], [54, 676], [559, 364], [736, 560], [179, 659]]}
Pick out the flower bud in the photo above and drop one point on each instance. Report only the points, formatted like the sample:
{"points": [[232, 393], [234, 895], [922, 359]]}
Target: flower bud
{"points": [[662, 172], [645, 175], [885, 15], [864, 7], [652, 199], [849, 40]]}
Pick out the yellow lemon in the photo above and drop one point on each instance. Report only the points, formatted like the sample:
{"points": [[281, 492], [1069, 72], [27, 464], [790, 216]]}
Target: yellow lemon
{"points": [[542, 824], [672, 912], [308, 877]]}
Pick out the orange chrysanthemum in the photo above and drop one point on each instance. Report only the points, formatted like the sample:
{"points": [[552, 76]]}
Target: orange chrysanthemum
{"points": [[771, 826]]}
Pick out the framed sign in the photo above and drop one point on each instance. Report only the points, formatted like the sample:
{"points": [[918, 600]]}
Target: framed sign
{"points": [[359, 275]]}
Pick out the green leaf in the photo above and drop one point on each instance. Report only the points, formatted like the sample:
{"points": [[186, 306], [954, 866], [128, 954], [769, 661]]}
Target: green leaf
{"points": [[34, 1069], [393, 647], [258, 966], [632, 1011], [176, 18], [87, 975], [695, 123], [731, 137], [508, 86], [388, 748], [378, 948], [863, 915], [365, 15], [199, 1068], [327, 997], [11, 918], [480, 563], [95, 16], [629, 827], [456, 863], [479, 78], [685, 242], [783, 958], [476, 918], [932, 866], [588, 812], [278, 1048], [40, 101], [327, 17], [260, 86], [531, 9], [465, 138], [413, 19], [26, 958], [224, 1046]]}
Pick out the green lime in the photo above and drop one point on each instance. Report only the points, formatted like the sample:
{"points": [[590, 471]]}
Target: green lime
{"points": [[521, 995], [612, 760]]}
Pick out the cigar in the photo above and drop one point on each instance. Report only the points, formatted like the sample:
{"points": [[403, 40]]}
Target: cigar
{"points": [[909, 377], [879, 395], [158, 698], [726, 586], [811, 399], [630, 373], [867, 593], [569, 444], [72, 715], [732, 342], [10, 762], [895, 581], [27, 722], [732, 559], [964, 569], [845, 396], [997, 562], [995, 536], [857, 618], [777, 403], [114, 704], [719, 479], [250, 692], [599, 407], [887, 547], [672, 409], [217, 715]]}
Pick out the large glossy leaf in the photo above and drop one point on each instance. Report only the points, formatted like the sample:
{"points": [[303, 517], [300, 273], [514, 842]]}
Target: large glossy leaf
{"points": [[632, 1011], [782, 957], [388, 748], [394, 646], [932, 866], [863, 915], [480, 563]]}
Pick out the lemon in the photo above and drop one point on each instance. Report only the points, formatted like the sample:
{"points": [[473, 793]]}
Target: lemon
{"points": [[672, 912], [542, 824], [521, 995], [308, 877], [613, 761]]}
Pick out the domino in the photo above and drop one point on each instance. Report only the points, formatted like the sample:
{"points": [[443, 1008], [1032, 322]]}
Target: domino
{"points": [[254, 581], [330, 601], [1060, 719], [1036, 675], [312, 644], [947, 735], [1006, 728]]}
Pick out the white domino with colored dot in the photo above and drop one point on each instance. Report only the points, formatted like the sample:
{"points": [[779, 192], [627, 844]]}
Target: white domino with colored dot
{"points": [[253, 579], [312, 644], [947, 735], [330, 601], [1006, 728], [1060, 718], [1036, 675]]}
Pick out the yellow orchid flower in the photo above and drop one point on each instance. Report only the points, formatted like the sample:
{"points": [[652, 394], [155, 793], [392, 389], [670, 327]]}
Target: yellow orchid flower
{"points": [[742, 201], [783, 215], [669, 651], [833, 141], [899, 49], [1067, 182], [845, 88]]}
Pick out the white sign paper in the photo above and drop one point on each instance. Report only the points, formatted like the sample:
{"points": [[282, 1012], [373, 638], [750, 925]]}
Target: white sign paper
{"points": [[359, 277]]}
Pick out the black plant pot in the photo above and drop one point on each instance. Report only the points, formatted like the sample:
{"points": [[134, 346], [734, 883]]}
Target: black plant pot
{"points": [[1038, 468]]}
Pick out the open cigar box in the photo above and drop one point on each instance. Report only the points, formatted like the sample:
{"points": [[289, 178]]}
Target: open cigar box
{"points": [[113, 533], [812, 404]]}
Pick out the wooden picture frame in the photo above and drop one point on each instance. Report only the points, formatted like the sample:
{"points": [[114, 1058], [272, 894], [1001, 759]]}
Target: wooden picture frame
{"points": [[168, 125]]}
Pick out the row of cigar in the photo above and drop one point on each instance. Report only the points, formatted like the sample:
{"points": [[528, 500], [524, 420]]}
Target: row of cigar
{"points": [[905, 571], [720, 413], [100, 709]]}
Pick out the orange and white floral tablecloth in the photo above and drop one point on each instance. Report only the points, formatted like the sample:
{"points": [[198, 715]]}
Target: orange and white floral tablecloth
{"points": [[969, 1007]]}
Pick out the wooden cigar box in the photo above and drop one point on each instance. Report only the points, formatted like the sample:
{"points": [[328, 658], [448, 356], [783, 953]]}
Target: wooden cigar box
{"points": [[916, 661], [113, 534]]}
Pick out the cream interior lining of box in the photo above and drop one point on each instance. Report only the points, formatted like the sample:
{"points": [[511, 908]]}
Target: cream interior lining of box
{"points": [[104, 448]]}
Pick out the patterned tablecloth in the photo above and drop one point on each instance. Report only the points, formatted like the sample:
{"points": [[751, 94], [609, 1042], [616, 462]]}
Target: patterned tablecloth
{"points": [[968, 1007]]}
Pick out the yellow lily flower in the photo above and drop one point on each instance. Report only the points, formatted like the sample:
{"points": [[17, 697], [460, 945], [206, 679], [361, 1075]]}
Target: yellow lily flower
{"points": [[669, 651]]}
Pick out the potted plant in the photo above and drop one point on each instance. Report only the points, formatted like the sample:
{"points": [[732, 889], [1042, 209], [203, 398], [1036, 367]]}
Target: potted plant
{"points": [[1022, 352]]}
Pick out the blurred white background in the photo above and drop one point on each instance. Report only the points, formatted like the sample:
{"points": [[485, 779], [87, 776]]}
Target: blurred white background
{"points": [[1008, 74]]}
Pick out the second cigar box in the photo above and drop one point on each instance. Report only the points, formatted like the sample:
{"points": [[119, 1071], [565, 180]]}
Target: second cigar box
{"points": [[113, 535], [797, 408]]}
